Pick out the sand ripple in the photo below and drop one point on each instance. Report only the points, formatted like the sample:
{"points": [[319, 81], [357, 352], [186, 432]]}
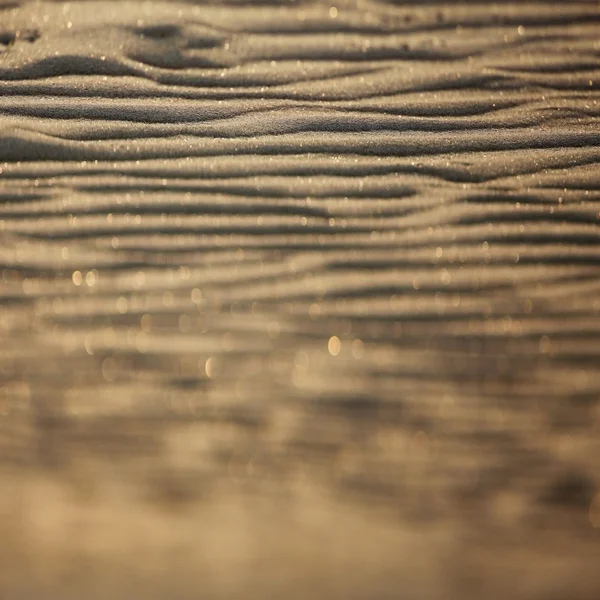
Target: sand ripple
{"points": [[339, 263]]}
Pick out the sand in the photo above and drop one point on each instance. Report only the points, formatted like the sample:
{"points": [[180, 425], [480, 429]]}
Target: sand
{"points": [[299, 300]]}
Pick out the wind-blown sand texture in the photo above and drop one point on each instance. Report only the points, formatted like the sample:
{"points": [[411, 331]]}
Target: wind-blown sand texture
{"points": [[299, 300]]}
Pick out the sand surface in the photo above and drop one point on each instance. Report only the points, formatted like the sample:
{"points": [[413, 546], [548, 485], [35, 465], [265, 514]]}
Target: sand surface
{"points": [[299, 300]]}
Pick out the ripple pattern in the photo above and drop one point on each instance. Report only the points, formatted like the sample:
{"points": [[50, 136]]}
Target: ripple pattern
{"points": [[268, 256]]}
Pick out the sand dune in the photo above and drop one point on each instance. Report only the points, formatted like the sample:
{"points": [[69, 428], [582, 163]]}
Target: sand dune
{"points": [[299, 299]]}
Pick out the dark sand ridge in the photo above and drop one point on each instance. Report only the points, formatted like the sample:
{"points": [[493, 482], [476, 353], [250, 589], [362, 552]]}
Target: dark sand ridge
{"points": [[299, 300]]}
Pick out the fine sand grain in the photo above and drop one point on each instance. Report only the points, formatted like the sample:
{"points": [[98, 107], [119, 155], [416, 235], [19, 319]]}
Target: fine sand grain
{"points": [[299, 300]]}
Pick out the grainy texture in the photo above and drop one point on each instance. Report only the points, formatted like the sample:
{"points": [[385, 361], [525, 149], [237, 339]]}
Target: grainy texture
{"points": [[299, 300]]}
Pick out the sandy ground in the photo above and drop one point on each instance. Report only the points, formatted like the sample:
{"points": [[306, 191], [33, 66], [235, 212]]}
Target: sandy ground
{"points": [[299, 300]]}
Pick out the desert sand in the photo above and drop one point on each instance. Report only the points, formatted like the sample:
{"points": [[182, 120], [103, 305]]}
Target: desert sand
{"points": [[299, 300]]}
